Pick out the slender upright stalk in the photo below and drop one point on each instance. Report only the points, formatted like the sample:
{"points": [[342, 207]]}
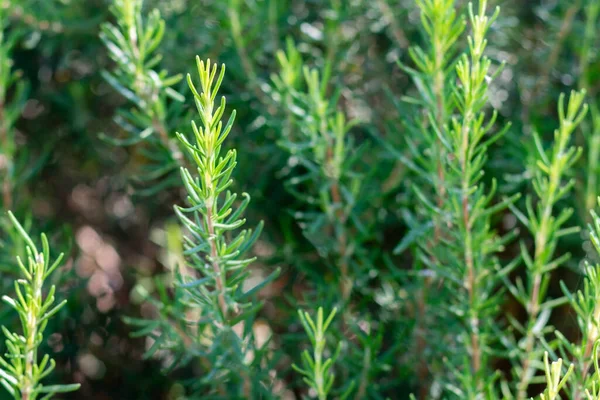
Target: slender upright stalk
{"points": [[21, 372], [211, 303], [470, 279], [472, 68], [442, 30], [31, 330], [476, 242], [546, 227], [345, 283], [316, 367], [214, 256]]}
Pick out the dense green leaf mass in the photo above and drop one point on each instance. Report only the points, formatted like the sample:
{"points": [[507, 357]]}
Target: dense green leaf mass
{"points": [[377, 199]]}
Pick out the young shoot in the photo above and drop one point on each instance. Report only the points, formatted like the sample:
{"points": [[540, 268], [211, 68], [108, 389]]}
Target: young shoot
{"points": [[21, 370]]}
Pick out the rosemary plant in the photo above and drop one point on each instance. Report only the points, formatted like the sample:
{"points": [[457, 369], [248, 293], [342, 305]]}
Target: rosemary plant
{"points": [[550, 186], [585, 303], [591, 131], [318, 141], [157, 108], [209, 199], [328, 179], [457, 134], [317, 368], [472, 256], [21, 371], [211, 287], [442, 29], [9, 112], [555, 380]]}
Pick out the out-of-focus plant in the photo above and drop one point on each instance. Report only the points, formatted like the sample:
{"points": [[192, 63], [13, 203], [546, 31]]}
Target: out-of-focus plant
{"points": [[329, 179], [591, 131], [16, 166], [156, 107], [317, 140], [10, 111]]}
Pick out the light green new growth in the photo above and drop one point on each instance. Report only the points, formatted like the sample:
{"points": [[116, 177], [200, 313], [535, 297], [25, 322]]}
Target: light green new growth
{"points": [[554, 383], [316, 368], [586, 305], [210, 300], [547, 229], [205, 193], [443, 29], [593, 390], [21, 372], [470, 135]]}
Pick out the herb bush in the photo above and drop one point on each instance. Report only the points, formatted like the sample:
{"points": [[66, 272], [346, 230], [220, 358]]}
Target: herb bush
{"points": [[325, 199]]}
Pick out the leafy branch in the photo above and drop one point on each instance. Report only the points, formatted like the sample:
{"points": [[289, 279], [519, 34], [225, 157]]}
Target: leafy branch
{"points": [[316, 368], [547, 229], [21, 372], [202, 321], [132, 44], [555, 380]]}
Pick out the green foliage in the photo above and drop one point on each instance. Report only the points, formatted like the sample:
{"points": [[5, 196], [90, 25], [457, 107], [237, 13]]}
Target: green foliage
{"points": [[555, 380], [451, 159], [316, 368], [9, 81], [210, 285], [584, 302], [400, 153], [132, 44], [21, 372], [546, 228], [317, 140]]}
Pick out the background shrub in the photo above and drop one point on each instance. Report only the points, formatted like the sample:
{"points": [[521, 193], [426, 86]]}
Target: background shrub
{"points": [[419, 205]]}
